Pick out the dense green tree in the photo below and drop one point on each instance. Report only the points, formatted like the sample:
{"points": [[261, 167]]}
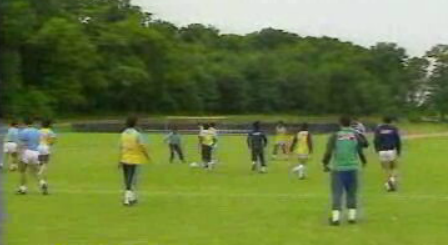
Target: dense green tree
{"points": [[87, 56]]}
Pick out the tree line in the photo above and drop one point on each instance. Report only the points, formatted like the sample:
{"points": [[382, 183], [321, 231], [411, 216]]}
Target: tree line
{"points": [[100, 56]]}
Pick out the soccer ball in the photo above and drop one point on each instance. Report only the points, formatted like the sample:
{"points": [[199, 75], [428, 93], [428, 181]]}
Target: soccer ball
{"points": [[194, 165]]}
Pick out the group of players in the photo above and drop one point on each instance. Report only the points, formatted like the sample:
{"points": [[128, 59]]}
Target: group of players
{"points": [[344, 156], [28, 149]]}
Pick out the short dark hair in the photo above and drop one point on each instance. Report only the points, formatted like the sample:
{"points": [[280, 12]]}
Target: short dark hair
{"points": [[28, 121], [46, 123], [387, 119], [131, 121], [206, 126], [212, 124], [345, 121], [256, 125], [14, 123], [304, 127]]}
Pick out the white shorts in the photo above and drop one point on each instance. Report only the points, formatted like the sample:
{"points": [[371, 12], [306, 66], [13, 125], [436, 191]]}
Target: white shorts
{"points": [[44, 150], [388, 156], [30, 157], [10, 147]]}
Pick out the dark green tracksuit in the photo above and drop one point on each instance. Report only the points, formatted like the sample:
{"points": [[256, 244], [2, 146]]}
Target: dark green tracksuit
{"points": [[343, 155]]}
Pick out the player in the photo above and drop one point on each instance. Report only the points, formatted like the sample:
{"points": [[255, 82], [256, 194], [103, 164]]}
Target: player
{"points": [[281, 138], [344, 151], [47, 140], [257, 142], [133, 154], [29, 140], [302, 145], [388, 146], [207, 140], [11, 146], [175, 144]]}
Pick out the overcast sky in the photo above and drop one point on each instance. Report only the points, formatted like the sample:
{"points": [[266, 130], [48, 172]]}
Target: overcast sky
{"points": [[416, 25]]}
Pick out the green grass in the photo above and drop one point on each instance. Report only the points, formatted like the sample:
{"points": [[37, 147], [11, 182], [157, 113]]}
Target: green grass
{"points": [[230, 206]]}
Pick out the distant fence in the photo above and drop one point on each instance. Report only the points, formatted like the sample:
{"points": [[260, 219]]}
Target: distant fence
{"points": [[192, 128]]}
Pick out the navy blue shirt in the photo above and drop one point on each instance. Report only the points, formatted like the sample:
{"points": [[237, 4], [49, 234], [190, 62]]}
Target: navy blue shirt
{"points": [[257, 140], [387, 138]]}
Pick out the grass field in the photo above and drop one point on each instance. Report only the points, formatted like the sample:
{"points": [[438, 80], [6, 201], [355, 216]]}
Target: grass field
{"points": [[230, 206]]}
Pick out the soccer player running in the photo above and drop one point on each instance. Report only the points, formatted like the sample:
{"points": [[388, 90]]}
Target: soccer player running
{"points": [[47, 140], [11, 146], [257, 142], [207, 140], [302, 145], [342, 159], [388, 146], [29, 140], [133, 154], [175, 144], [281, 138]]}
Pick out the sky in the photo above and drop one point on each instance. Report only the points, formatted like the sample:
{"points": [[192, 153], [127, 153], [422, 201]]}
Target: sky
{"points": [[416, 25]]}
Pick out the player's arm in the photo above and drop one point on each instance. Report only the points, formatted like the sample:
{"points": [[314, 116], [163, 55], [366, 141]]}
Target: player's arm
{"points": [[143, 147], [249, 140], [265, 140], [329, 152], [53, 138], [310, 143], [376, 140], [294, 143], [398, 141], [360, 149]]}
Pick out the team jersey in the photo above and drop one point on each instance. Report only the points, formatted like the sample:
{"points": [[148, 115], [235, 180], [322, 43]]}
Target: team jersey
{"points": [[281, 134], [257, 140], [303, 144], [12, 135], [345, 149], [387, 138], [174, 139], [30, 138], [47, 136], [131, 147], [208, 137]]}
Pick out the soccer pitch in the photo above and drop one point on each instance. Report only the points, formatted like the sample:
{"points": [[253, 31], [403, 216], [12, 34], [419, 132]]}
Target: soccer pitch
{"points": [[180, 205]]}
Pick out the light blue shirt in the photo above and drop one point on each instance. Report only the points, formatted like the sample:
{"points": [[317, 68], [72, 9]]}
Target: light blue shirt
{"points": [[12, 135], [30, 138]]}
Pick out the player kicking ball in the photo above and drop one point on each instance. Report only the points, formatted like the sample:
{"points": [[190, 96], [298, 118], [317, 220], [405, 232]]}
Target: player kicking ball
{"points": [[133, 154], [29, 140], [11, 146], [342, 159], [302, 145], [47, 140], [388, 146], [257, 142]]}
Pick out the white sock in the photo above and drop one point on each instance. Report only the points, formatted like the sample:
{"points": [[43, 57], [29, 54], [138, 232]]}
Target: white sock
{"points": [[335, 215], [302, 170], [23, 188], [352, 214], [128, 195], [42, 182]]}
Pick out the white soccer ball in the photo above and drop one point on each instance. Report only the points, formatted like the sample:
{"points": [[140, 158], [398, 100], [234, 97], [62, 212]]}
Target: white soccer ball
{"points": [[194, 165]]}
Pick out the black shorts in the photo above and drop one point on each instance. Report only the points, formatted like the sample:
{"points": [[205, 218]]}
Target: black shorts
{"points": [[206, 153]]}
